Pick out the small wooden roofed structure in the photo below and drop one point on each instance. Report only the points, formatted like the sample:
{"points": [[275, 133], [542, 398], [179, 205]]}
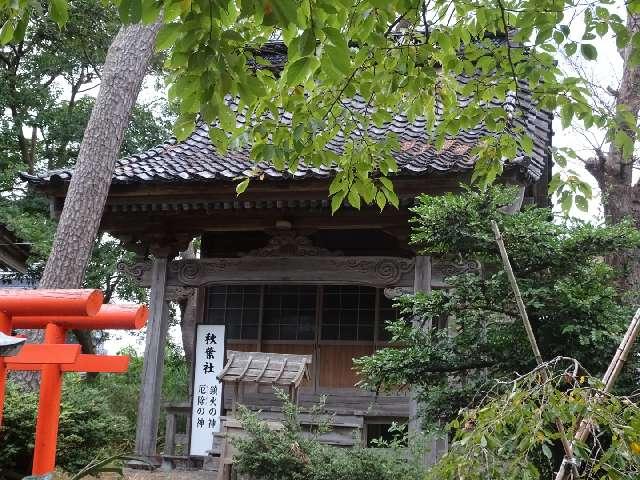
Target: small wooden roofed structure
{"points": [[261, 368], [283, 369]]}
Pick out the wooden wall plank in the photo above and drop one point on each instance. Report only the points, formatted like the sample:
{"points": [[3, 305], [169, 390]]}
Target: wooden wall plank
{"points": [[336, 364]]}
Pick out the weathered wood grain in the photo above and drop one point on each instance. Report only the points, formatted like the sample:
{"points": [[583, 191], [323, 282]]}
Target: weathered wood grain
{"points": [[150, 391]]}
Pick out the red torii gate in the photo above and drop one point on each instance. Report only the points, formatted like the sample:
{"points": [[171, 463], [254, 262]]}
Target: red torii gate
{"points": [[56, 311]]}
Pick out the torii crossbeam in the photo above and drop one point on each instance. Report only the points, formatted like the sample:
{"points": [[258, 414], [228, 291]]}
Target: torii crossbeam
{"points": [[56, 311]]}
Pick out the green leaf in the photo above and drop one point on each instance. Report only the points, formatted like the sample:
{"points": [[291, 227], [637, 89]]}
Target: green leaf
{"points": [[555, 183], [233, 36], [386, 182], [21, 27], [570, 48], [336, 201], [526, 143], [242, 186], [391, 197], [588, 51], [547, 451], [581, 203], [299, 71], [167, 36], [586, 190], [339, 58], [184, 126], [279, 12], [336, 37], [307, 42], [566, 201], [59, 11], [566, 115], [219, 139], [150, 11], [602, 28], [354, 198], [6, 32]]}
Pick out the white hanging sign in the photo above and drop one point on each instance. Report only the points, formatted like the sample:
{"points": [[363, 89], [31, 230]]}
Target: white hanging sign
{"points": [[207, 389]]}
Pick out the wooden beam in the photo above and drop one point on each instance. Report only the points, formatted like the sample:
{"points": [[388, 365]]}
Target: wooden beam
{"points": [[321, 270], [421, 283], [152, 222], [380, 272], [151, 388]]}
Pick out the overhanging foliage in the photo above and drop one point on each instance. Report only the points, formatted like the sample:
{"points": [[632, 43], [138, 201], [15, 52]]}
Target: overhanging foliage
{"points": [[400, 56]]}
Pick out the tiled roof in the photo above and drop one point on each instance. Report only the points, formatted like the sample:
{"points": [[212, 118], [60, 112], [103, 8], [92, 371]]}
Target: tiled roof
{"points": [[195, 159]]}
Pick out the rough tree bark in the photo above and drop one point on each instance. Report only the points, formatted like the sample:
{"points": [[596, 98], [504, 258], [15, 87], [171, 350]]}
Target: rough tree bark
{"points": [[613, 172], [125, 67]]}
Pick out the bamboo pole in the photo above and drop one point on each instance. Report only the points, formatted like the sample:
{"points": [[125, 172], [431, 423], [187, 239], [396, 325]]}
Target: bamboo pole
{"points": [[568, 449], [609, 379]]}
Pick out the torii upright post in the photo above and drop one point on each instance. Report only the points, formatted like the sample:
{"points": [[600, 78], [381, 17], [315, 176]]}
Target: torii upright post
{"points": [[55, 311]]}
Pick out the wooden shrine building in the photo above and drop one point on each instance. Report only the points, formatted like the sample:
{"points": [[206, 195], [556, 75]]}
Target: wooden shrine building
{"points": [[275, 266]]}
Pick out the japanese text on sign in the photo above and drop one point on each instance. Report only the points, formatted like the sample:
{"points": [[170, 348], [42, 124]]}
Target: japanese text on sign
{"points": [[207, 389]]}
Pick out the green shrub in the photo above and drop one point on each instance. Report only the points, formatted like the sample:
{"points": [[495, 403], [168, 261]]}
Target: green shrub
{"points": [[97, 418], [87, 428], [287, 454], [16, 432]]}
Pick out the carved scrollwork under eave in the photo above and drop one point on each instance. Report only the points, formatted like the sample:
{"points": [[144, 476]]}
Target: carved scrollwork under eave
{"points": [[178, 294], [135, 271], [395, 292], [386, 270], [382, 272], [448, 268], [188, 272], [390, 271], [290, 244]]}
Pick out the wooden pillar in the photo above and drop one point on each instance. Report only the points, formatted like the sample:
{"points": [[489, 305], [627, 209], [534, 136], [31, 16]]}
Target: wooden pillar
{"points": [[151, 385], [170, 434], [421, 283]]}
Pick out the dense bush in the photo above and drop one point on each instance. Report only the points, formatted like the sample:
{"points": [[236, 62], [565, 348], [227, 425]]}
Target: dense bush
{"points": [[88, 427], [288, 454]]}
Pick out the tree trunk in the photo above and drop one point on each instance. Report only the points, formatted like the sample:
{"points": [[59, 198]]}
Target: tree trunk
{"points": [[124, 69], [621, 199]]}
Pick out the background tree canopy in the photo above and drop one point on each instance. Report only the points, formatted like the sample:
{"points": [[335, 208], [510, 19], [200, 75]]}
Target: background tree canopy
{"points": [[477, 335]]}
